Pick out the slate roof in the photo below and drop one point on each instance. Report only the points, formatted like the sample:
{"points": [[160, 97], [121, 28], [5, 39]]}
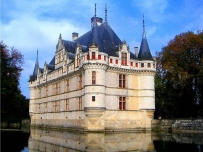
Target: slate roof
{"points": [[106, 40], [34, 75], [104, 37], [144, 52]]}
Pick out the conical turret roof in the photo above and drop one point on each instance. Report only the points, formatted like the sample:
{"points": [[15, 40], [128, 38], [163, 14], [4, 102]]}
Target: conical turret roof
{"points": [[35, 71], [144, 52]]}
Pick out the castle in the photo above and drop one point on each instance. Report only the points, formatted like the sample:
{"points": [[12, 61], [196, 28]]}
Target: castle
{"points": [[94, 83]]}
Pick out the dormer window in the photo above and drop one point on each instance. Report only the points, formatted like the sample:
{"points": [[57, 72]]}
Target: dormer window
{"points": [[124, 59], [93, 55]]}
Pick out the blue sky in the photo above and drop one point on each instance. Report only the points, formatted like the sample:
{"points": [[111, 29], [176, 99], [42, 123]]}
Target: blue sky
{"points": [[31, 24]]}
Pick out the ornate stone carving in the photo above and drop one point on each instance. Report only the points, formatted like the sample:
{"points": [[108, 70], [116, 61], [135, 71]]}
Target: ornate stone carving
{"points": [[133, 71], [95, 66]]}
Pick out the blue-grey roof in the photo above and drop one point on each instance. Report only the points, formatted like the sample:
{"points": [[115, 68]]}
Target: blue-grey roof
{"points": [[34, 75], [144, 52], [50, 66], [52, 62], [106, 40], [104, 37]]}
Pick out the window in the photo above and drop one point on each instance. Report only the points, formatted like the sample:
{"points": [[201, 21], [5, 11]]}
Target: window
{"points": [[67, 105], [131, 63], [57, 85], [93, 98], [53, 89], [93, 77], [57, 106], [39, 108], [39, 92], [67, 85], [153, 65], [46, 94], [142, 65], [124, 59], [80, 81], [80, 103], [116, 61], [99, 57], [93, 55], [136, 64], [110, 60], [45, 105], [148, 65], [122, 103], [121, 81], [104, 58]]}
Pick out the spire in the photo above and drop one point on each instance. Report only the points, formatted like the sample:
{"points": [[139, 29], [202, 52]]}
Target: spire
{"points": [[105, 12], [34, 75], [95, 18], [95, 11], [95, 37], [144, 52], [60, 36], [37, 55], [143, 34]]}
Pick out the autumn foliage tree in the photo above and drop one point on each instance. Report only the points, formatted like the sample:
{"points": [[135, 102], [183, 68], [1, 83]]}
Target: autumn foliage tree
{"points": [[179, 78], [14, 106]]}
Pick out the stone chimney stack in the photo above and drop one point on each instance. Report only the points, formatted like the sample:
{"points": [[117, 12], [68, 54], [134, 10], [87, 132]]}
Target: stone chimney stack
{"points": [[74, 36], [136, 51]]}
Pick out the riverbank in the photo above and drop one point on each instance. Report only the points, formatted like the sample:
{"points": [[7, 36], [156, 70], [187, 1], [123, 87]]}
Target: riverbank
{"points": [[178, 125]]}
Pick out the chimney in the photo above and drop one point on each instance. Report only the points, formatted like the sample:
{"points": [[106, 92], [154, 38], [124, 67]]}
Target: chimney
{"points": [[98, 19], [74, 36], [136, 51]]}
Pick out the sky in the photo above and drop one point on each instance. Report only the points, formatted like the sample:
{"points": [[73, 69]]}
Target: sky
{"points": [[29, 25]]}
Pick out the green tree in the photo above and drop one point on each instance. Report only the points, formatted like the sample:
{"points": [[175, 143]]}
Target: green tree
{"points": [[14, 106], [179, 78]]}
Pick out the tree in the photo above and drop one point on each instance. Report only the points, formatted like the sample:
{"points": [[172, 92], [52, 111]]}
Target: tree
{"points": [[179, 78], [13, 103]]}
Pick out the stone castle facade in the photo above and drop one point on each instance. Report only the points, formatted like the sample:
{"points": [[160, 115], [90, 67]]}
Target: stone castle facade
{"points": [[94, 83]]}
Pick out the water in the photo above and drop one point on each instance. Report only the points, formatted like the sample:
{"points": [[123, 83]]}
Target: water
{"points": [[63, 141]]}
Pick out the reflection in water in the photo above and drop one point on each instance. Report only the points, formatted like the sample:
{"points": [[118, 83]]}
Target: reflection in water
{"points": [[14, 140], [62, 141], [57, 141], [177, 142]]}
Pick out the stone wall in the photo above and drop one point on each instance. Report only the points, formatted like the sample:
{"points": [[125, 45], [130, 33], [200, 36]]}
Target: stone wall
{"points": [[178, 125], [96, 120]]}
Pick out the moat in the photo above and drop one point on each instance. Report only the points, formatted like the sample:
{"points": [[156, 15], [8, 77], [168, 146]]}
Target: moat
{"points": [[62, 141]]}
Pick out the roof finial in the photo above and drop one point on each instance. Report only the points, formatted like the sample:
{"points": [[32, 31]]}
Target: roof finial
{"points": [[143, 34], [37, 54], [95, 9], [60, 36], [105, 12]]}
